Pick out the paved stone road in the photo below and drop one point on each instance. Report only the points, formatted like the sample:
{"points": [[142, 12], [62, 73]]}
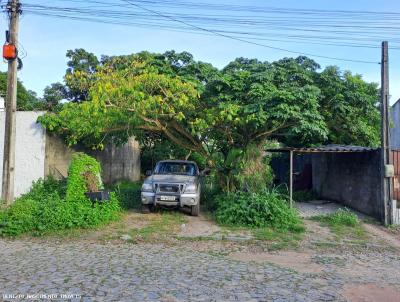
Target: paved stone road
{"points": [[145, 272]]}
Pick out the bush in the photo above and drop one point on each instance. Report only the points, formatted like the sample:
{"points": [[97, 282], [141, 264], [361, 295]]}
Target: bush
{"points": [[254, 173], [128, 193], [264, 209], [84, 174], [209, 190], [45, 209]]}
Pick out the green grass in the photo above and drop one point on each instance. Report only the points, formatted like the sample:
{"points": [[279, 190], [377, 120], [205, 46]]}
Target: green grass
{"points": [[160, 226], [279, 239], [344, 224]]}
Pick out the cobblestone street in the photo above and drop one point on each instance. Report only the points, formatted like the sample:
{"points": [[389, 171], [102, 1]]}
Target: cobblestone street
{"points": [[192, 272]]}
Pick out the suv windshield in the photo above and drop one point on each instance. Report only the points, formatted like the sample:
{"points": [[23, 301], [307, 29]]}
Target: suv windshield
{"points": [[189, 169]]}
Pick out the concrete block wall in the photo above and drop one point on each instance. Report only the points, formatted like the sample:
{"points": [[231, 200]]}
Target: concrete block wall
{"points": [[353, 179], [117, 163]]}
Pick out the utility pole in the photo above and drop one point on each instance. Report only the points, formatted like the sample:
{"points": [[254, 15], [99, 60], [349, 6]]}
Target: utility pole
{"points": [[385, 136], [13, 9]]}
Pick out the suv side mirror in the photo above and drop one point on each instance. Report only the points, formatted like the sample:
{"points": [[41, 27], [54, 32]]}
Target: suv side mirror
{"points": [[205, 172], [149, 173]]}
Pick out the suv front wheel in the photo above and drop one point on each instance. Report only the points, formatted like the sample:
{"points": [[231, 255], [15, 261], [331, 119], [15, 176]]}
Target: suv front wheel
{"points": [[147, 208], [195, 210]]}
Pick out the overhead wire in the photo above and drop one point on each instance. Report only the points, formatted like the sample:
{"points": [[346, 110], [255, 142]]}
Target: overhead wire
{"points": [[280, 26], [246, 24], [247, 41]]}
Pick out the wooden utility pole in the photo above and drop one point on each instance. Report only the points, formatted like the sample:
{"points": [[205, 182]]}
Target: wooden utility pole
{"points": [[385, 137], [13, 8]]}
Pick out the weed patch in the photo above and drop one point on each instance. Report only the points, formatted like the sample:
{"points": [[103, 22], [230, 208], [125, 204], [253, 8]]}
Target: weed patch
{"points": [[342, 223], [160, 225], [258, 210]]}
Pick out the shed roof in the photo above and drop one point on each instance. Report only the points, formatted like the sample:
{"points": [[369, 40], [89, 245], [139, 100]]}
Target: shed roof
{"points": [[325, 149]]}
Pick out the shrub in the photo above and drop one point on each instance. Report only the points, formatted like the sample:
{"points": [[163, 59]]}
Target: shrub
{"points": [[83, 174], [209, 191], [254, 173], [264, 209], [128, 193], [44, 209]]}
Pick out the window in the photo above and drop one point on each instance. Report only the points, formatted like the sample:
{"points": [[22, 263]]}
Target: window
{"points": [[176, 168]]}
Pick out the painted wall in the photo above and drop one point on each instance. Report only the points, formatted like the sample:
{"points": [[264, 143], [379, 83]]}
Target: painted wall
{"points": [[395, 129], [30, 150], [352, 179]]}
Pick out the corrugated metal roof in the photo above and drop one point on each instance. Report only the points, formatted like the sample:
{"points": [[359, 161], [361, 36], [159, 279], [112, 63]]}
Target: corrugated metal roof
{"points": [[325, 149]]}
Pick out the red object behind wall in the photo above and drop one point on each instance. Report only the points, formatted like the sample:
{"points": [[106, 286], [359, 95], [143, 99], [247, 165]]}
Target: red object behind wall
{"points": [[395, 157], [9, 52]]}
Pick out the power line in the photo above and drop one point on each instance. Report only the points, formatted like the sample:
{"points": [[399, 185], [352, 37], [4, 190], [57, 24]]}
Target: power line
{"points": [[246, 41], [258, 36], [282, 28]]}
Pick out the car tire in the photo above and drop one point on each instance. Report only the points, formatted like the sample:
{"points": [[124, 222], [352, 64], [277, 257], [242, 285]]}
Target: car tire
{"points": [[148, 208], [145, 209], [195, 210], [152, 208]]}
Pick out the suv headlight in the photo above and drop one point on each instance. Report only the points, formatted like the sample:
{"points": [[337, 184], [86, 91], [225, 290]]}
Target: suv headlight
{"points": [[147, 187], [191, 188]]}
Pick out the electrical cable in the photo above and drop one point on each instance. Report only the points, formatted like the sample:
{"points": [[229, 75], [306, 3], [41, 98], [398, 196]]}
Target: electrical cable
{"points": [[249, 42]]}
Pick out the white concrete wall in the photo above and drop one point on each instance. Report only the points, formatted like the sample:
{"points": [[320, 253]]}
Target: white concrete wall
{"points": [[30, 150]]}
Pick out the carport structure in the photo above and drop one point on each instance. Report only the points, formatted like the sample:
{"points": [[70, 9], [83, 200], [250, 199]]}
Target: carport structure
{"points": [[350, 175]]}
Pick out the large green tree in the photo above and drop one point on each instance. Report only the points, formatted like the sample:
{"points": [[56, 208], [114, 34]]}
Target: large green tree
{"points": [[349, 106], [218, 114]]}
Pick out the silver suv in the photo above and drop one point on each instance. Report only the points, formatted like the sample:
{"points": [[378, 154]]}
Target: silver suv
{"points": [[173, 183]]}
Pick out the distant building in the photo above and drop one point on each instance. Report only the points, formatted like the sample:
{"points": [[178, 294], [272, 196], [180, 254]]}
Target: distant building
{"points": [[395, 127]]}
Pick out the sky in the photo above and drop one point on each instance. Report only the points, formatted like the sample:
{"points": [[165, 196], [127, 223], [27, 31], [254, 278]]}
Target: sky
{"points": [[46, 40]]}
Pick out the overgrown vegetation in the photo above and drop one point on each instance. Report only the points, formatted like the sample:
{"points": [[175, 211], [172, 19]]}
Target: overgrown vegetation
{"points": [[53, 205], [343, 223], [128, 194], [181, 108], [84, 174], [209, 191], [263, 209]]}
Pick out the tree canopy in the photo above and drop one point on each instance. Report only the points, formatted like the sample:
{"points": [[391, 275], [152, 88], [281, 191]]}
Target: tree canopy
{"points": [[26, 99], [215, 113]]}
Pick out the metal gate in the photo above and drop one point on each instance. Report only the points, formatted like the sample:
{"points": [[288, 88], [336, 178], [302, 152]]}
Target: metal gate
{"points": [[396, 179], [395, 157]]}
